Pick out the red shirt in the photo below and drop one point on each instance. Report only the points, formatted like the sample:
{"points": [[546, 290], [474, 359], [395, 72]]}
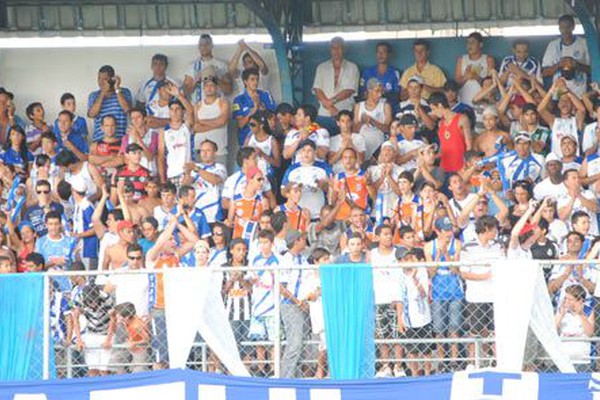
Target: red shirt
{"points": [[452, 145], [138, 178]]}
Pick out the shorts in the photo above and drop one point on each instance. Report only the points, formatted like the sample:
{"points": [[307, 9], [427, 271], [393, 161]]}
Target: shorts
{"points": [[159, 336], [423, 332], [480, 316], [262, 328], [386, 321], [446, 316], [96, 356]]}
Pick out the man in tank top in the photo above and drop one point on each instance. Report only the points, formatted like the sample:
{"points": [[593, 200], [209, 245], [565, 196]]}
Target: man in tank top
{"points": [[454, 133], [174, 147], [472, 67], [212, 117]]}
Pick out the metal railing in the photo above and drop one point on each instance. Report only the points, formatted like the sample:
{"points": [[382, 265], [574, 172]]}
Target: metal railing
{"points": [[264, 365]]}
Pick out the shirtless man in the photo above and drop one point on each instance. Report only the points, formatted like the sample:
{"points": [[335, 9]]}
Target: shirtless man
{"points": [[152, 199], [492, 140], [132, 210], [116, 255]]}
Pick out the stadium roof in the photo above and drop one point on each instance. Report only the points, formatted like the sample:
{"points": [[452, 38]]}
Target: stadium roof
{"points": [[239, 16]]}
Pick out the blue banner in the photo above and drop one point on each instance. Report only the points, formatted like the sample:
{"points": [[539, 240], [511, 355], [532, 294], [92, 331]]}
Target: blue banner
{"points": [[349, 314], [191, 385], [21, 326]]}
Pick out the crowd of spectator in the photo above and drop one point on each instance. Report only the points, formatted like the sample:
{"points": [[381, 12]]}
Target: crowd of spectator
{"points": [[500, 160]]}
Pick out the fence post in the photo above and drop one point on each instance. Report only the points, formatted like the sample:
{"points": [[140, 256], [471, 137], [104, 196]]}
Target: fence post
{"points": [[277, 344], [46, 333], [478, 352]]}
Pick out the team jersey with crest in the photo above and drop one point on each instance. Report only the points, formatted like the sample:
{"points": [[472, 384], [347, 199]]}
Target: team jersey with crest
{"points": [[356, 191]]}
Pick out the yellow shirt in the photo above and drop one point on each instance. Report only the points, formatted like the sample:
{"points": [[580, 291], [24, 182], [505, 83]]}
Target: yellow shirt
{"points": [[432, 76]]}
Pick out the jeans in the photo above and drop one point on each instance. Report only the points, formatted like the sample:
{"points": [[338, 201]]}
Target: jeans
{"points": [[295, 323]]}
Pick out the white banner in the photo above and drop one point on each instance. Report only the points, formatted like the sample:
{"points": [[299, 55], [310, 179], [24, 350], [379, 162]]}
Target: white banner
{"points": [[522, 300], [193, 304]]}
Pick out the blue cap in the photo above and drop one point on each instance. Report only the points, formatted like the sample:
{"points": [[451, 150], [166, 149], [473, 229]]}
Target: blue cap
{"points": [[443, 224]]}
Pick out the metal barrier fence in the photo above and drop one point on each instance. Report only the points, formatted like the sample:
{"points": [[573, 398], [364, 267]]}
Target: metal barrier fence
{"points": [[427, 328]]}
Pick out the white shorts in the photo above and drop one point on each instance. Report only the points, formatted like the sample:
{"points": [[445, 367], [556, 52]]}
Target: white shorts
{"points": [[96, 356]]}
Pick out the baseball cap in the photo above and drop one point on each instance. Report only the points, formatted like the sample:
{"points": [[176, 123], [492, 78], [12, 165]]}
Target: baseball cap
{"points": [[124, 225], [552, 157], [78, 185], [522, 136], [133, 147], [518, 101], [443, 224], [416, 78], [291, 236], [387, 143], [409, 119]]}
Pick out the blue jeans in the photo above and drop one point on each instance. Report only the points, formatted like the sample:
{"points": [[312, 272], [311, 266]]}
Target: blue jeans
{"points": [[446, 315]]}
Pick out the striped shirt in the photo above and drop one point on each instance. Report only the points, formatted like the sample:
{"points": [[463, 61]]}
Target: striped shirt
{"points": [[110, 106], [237, 301], [531, 66], [98, 319]]}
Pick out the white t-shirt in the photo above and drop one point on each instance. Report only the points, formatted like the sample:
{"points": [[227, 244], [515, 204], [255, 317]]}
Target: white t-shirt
{"points": [[590, 138], [564, 200], [208, 196], [236, 184], [548, 189], [557, 49], [406, 146], [473, 251], [335, 145], [132, 288], [416, 305], [386, 281], [387, 199], [458, 205], [313, 197], [320, 137]]}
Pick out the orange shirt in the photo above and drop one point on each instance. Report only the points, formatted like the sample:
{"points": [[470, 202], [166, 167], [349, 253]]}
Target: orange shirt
{"points": [[159, 287], [409, 213], [245, 210], [137, 333], [356, 189], [296, 218]]}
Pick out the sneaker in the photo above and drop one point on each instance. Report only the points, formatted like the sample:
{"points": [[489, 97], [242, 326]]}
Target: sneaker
{"points": [[384, 372], [399, 371]]}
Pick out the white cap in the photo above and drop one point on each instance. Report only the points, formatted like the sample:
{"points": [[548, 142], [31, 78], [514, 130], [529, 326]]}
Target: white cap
{"points": [[416, 78], [551, 157], [78, 185]]}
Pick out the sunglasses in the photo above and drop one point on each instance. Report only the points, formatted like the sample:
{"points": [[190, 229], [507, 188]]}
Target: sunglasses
{"points": [[252, 125], [218, 234], [260, 179], [42, 191], [134, 258]]}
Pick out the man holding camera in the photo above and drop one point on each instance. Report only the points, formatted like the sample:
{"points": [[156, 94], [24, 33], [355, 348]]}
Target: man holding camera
{"points": [[110, 99]]}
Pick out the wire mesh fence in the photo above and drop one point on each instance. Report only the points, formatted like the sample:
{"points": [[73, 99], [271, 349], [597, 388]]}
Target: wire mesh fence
{"points": [[114, 322]]}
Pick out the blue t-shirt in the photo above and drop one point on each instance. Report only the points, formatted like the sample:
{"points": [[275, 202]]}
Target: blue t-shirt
{"points": [[199, 220], [390, 80], [145, 244], [36, 215], [110, 106], [63, 247], [13, 157], [445, 285], [243, 104]]}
